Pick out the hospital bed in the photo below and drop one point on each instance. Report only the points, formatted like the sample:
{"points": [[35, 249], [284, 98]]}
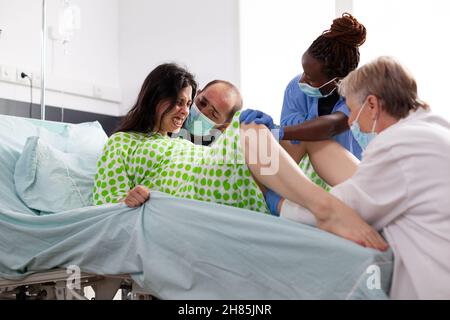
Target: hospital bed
{"points": [[53, 285], [168, 249]]}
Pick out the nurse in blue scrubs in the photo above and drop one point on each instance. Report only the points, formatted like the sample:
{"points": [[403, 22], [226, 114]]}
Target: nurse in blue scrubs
{"points": [[313, 110], [312, 106]]}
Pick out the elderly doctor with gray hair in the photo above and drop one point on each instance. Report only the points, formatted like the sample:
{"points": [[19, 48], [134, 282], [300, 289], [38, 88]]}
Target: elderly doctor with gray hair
{"points": [[402, 185]]}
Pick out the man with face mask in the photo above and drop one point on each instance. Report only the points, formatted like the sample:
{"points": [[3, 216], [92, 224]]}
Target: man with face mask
{"points": [[212, 110]]}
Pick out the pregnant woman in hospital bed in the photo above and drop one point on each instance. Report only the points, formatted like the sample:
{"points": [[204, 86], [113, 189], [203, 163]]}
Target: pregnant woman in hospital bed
{"points": [[141, 157], [401, 186]]}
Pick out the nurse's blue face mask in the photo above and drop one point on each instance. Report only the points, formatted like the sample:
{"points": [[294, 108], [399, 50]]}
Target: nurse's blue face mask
{"points": [[198, 124], [316, 92], [363, 138]]}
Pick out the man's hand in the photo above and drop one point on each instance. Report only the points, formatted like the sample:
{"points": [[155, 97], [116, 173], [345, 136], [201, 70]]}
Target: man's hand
{"points": [[137, 196]]}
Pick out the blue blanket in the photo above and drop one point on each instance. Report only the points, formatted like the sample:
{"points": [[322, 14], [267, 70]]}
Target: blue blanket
{"points": [[186, 249]]}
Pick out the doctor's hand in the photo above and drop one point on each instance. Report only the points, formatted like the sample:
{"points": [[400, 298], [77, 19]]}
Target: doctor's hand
{"points": [[248, 116], [348, 224], [137, 196]]}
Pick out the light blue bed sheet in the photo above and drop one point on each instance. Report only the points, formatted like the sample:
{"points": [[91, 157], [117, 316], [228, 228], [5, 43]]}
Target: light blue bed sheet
{"points": [[175, 248], [185, 249]]}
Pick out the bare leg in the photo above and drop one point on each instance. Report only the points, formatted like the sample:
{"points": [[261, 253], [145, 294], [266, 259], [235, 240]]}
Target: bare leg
{"points": [[296, 151], [330, 160], [289, 181]]}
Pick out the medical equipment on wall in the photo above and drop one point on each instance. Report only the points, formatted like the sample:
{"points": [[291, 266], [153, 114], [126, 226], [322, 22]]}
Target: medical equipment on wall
{"points": [[69, 21], [43, 57]]}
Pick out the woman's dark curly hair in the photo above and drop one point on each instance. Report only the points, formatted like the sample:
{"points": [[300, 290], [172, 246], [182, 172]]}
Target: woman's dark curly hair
{"points": [[338, 47], [164, 83]]}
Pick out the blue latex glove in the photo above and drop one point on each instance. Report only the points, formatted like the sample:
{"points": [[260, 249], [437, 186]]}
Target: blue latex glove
{"points": [[259, 117], [272, 200]]}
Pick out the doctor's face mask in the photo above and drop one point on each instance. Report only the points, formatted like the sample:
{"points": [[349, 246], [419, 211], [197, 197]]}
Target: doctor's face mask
{"points": [[363, 138]]}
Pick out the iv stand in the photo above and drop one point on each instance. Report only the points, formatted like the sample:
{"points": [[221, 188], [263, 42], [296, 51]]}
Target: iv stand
{"points": [[43, 57]]}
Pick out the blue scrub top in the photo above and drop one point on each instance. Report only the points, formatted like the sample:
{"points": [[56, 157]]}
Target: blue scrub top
{"points": [[298, 108]]}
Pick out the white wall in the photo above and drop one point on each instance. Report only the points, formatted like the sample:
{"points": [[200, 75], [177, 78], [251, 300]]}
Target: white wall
{"points": [[274, 36], [275, 33], [92, 59], [120, 42], [416, 33], [202, 35]]}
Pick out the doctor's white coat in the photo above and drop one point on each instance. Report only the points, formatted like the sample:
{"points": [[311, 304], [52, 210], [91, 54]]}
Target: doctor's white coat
{"points": [[402, 187]]}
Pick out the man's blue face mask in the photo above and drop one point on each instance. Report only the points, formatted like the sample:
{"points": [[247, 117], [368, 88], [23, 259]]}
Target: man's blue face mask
{"points": [[198, 124], [316, 92], [363, 138]]}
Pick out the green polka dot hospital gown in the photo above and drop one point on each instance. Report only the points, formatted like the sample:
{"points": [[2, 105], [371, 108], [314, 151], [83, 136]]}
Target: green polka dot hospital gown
{"points": [[178, 167]]}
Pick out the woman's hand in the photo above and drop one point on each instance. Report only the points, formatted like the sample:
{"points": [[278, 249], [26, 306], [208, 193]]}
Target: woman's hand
{"points": [[137, 196]]}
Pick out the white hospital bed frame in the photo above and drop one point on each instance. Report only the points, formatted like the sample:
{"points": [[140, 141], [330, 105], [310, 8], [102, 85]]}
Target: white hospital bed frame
{"points": [[52, 285]]}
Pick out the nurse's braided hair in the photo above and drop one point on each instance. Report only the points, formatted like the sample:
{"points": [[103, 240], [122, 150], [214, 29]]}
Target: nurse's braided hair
{"points": [[337, 48]]}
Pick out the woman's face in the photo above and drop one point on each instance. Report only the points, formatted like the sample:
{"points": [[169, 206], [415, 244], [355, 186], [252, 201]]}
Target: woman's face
{"points": [[313, 74], [174, 119]]}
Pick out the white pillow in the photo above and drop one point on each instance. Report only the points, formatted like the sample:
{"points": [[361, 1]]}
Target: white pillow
{"points": [[86, 138], [14, 132], [49, 180]]}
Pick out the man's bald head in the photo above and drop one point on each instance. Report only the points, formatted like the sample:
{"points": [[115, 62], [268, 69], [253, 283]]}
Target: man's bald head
{"points": [[219, 101]]}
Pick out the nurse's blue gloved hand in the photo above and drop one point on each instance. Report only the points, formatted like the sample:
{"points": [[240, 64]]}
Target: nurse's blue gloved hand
{"points": [[272, 200], [259, 117]]}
